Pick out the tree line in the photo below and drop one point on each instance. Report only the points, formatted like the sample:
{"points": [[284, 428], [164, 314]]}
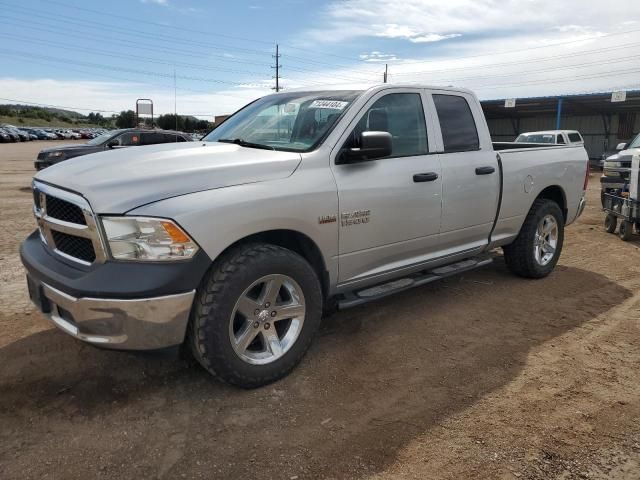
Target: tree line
{"points": [[125, 119]]}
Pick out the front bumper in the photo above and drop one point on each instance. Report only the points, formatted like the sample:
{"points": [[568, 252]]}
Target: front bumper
{"points": [[123, 305], [581, 205], [128, 324]]}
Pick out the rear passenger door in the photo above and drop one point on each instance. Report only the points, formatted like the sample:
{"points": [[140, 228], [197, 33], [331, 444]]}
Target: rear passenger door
{"points": [[470, 174]]}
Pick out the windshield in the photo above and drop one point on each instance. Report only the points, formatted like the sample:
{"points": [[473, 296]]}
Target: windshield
{"points": [[536, 138], [635, 143], [295, 122], [100, 139]]}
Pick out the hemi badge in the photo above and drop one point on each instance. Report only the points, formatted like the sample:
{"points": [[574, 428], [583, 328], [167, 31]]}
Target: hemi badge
{"points": [[327, 219]]}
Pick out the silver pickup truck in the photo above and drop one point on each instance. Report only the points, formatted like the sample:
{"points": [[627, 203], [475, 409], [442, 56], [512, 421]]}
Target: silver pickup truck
{"points": [[232, 247]]}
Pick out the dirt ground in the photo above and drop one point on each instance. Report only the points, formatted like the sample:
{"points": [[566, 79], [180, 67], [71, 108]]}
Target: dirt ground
{"points": [[480, 376]]}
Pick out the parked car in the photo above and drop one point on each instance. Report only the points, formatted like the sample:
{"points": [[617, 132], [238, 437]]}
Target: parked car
{"points": [[19, 135], [233, 245], [557, 137], [617, 168], [5, 137], [13, 136], [29, 133], [108, 141]]}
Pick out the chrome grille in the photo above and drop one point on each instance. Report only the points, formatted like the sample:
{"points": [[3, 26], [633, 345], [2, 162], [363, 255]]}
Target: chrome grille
{"points": [[63, 210], [67, 224], [77, 247]]}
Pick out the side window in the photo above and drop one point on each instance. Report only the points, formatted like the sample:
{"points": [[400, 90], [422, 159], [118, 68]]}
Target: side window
{"points": [[560, 139], [152, 138], [400, 114], [128, 139], [181, 138], [575, 137], [459, 132]]}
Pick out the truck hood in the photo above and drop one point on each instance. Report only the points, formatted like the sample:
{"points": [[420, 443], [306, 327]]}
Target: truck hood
{"points": [[119, 180]]}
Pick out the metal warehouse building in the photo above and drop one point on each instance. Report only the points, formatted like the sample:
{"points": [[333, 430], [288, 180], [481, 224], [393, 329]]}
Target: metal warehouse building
{"points": [[601, 118]]}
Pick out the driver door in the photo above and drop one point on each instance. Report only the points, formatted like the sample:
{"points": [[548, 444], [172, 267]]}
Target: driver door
{"points": [[389, 207]]}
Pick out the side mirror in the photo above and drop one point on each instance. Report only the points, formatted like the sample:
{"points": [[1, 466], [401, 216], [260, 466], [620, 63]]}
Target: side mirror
{"points": [[113, 143], [373, 145], [621, 146]]}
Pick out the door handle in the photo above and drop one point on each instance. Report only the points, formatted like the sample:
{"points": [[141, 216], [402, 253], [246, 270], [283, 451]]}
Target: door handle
{"points": [[485, 170], [425, 177]]}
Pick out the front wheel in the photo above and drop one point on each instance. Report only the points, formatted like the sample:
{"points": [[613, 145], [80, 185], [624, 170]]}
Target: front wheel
{"points": [[610, 223], [255, 315], [536, 250]]}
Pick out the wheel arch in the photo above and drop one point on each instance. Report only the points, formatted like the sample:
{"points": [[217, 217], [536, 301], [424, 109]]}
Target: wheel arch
{"points": [[556, 194], [295, 241]]}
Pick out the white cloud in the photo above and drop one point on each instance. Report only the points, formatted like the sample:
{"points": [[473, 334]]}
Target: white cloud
{"points": [[433, 20], [376, 56], [433, 37], [393, 30], [157, 2]]}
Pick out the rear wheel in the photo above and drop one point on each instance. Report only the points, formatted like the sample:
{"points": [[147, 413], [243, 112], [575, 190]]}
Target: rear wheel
{"points": [[610, 223], [255, 315], [536, 250], [626, 230]]}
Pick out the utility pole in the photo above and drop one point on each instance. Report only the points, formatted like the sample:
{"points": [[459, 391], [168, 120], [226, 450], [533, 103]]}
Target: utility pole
{"points": [[175, 99], [386, 71], [277, 67]]}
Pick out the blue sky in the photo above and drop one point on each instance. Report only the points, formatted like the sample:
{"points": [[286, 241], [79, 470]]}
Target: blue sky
{"points": [[104, 55]]}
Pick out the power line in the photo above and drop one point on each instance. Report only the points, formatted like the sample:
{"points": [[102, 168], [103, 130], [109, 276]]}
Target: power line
{"points": [[548, 69], [522, 62], [615, 73], [138, 21], [128, 44], [25, 102], [128, 56], [30, 25], [127, 70], [147, 22], [316, 62], [502, 52], [84, 23]]}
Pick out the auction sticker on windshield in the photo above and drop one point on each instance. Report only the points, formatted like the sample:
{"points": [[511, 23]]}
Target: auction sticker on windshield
{"points": [[333, 104]]}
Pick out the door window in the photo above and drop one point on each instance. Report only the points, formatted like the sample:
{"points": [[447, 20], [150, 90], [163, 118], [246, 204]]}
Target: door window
{"points": [[575, 137], [128, 139], [400, 114], [459, 132], [152, 138], [560, 139]]}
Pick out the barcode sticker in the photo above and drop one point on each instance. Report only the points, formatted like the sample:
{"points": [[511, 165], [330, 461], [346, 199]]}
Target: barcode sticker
{"points": [[333, 104]]}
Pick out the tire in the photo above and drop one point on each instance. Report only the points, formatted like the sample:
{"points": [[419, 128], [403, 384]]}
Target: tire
{"points": [[218, 325], [610, 223], [526, 257], [626, 230]]}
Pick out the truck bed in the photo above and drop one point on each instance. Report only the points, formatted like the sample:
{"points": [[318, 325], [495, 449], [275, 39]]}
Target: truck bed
{"points": [[498, 146]]}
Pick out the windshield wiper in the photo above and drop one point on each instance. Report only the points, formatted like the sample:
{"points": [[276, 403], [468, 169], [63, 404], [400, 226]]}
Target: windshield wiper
{"points": [[244, 143]]}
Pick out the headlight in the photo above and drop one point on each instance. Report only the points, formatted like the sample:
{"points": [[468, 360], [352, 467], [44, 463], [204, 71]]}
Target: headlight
{"points": [[55, 154], [613, 164], [147, 239]]}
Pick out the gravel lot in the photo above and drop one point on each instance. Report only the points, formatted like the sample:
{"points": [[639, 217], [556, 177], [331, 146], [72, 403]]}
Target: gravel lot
{"points": [[480, 376]]}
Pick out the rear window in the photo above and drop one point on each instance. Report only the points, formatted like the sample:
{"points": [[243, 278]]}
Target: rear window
{"points": [[575, 137], [459, 132]]}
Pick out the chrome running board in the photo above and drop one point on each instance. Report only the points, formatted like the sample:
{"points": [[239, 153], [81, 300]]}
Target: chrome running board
{"points": [[358, 297]]}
